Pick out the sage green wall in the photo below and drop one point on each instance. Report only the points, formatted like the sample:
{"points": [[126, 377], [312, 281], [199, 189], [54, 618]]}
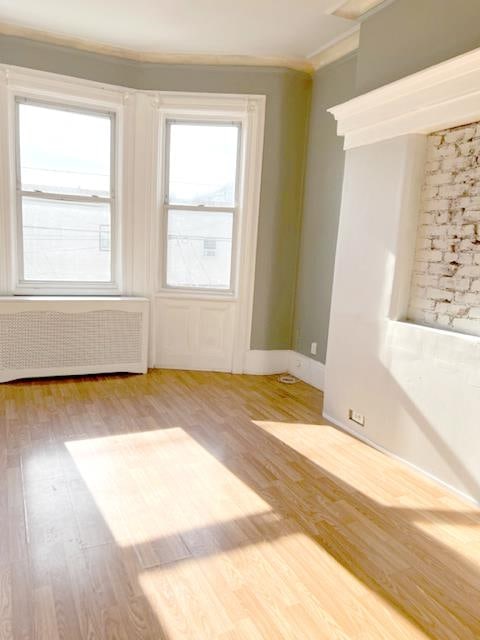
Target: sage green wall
{"points": [[288, 97], [401, 38], [323, 188], [408, 35]]}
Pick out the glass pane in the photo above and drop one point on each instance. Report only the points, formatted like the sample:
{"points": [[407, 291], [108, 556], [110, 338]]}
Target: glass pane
{"points": [[203, 164], [66, 241], [64, 151], [199, 252]]}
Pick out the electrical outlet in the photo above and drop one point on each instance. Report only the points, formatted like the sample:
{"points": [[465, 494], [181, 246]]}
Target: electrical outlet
{"points": [[354, 416], [313, 349]]}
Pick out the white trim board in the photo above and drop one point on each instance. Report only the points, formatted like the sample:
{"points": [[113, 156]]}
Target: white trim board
{"points": [[442, 96], [264, 362], [371, 443], [307, 369]]}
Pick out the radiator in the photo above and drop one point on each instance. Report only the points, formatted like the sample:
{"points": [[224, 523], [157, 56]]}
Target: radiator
{"points": [[70, 336]]}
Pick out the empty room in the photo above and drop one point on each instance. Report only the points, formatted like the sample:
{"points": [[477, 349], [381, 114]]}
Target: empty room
{"points": [[240, 320]]}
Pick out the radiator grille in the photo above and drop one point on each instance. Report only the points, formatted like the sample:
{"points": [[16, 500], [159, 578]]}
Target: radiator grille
{"points": [[52, 339]]}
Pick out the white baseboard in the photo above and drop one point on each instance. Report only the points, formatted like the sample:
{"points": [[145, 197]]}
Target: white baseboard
{"points": [[359, 436], [264, 363], [307, 369], [261, 362]]}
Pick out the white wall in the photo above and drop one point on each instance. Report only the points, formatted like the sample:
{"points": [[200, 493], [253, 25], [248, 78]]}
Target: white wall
{"points": [[418, 387]]}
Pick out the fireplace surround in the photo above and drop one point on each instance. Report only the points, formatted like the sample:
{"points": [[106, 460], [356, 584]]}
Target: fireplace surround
{"points": [[417, 386]]}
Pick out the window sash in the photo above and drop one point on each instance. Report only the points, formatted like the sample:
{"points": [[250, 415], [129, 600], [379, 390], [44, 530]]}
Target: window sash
{"points": [[201, 208], [63, 285]]}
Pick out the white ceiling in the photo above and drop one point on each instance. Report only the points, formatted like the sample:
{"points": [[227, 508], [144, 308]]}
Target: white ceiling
{"points": [[294, 29]]}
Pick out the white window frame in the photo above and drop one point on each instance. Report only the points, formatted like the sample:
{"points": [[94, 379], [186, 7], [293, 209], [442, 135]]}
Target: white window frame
{"points": [[61, 197], [78, 96], [234, 210]]}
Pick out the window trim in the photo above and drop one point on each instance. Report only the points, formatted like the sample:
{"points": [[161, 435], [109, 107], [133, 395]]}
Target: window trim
{"points": [[193, 120], [65, 287]]}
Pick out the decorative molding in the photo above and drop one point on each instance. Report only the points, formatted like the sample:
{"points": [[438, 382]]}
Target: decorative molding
{"points": [[354, 9], [297, 64], [337, 49], [359, 436], [443, 96]]}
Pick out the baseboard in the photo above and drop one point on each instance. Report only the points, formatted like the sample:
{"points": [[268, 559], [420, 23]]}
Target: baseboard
{"points": [[390, 454], [307, 369], [264, 363]]}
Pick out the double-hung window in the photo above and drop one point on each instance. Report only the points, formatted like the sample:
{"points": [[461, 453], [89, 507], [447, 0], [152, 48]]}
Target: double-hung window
{"points": [[65, 198], [201, 204]]}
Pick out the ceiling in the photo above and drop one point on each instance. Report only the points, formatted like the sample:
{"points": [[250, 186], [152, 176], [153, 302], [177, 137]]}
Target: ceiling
{"points": [[280, 29]]}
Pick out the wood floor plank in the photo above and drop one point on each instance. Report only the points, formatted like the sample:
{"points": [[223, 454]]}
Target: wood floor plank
{"points": [[206, 506]]}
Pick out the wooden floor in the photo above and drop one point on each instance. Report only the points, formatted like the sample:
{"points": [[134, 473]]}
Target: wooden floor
{"points": [[215, 507]]}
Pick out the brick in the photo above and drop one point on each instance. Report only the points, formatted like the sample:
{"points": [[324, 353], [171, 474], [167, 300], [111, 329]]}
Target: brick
{"points": [[439, 243], [425, 280], [429, 192], [467, 298], [439, 294], [468, 203], [454, 284], [441, 269], [448, 165], [422, 304], [453, 190], [436, 179], [449, 308], [474, 313], [469, 272], [465, 258], [426, 255], [472, 215], [469, 148], [444, 321], [475, 286], [444, 151], [420, 267], [437, 205], [465, 134]]}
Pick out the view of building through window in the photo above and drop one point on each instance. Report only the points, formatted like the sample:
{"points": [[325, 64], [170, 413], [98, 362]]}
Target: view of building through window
{"points": [[65, 194], [201, 204]]}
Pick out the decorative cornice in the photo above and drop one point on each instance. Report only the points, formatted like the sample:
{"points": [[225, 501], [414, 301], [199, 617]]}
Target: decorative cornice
{"points": [[443, 96], [336, 49], [354, 9], [297, 64]]}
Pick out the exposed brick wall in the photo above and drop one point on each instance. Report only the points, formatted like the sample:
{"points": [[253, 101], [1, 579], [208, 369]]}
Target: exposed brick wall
{"points": [[446, 275]]}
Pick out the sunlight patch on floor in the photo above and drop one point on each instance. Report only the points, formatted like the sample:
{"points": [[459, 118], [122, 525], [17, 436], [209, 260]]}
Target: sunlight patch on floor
{"points": [[151, 486]]}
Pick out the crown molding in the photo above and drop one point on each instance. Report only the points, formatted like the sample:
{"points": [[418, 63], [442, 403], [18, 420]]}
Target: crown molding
{"points": [[354, 9], [445, 95], [337, 49], [296, 64]]}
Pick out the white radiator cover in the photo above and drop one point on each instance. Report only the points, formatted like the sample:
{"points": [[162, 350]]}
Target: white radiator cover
{"points": [[69, 336]]}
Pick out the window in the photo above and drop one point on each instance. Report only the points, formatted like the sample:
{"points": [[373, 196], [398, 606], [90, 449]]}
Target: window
{"points": [[65, 198], [201, 203]]}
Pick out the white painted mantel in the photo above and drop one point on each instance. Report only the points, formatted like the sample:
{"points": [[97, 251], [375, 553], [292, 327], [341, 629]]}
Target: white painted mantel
{"points": [[442, 96], [418, 387]]}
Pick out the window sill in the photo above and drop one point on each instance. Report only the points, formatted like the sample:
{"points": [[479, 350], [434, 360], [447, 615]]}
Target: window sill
{"points": [[226, 296], [69, 298]]}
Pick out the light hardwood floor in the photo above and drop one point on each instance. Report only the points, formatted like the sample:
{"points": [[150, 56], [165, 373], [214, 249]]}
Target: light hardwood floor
{"points": [[215, 507]]}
